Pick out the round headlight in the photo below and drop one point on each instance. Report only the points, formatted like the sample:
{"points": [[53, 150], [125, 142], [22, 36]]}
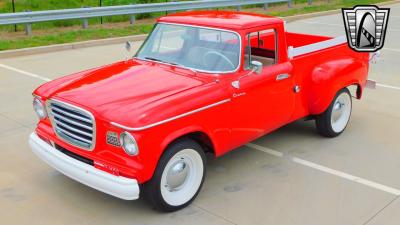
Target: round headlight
{"points": [[129, 144], [39, 108]]}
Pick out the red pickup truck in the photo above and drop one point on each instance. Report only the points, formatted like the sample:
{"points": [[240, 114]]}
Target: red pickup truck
{"points": [[202, 82]]}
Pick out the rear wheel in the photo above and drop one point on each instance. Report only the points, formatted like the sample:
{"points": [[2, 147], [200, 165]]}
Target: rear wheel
{"points": [[334, 120], [178, 178]]}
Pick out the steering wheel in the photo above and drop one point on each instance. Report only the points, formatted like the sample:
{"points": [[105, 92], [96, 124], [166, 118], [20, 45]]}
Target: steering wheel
{"points": [[226, 60]]}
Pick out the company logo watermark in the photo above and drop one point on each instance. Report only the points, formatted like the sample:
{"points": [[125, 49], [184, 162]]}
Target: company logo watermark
{"points": [[366, 27]]}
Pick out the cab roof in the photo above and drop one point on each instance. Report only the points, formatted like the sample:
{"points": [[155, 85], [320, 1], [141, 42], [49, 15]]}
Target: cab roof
{"points": [[221, 19]]}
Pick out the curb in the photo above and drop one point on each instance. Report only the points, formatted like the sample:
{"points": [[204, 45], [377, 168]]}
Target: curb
{"points": [[326, 13], [118, 40], [69, 46]]}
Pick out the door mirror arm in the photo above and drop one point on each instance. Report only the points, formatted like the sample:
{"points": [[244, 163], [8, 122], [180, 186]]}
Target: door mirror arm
{"points": [[256, 67]]}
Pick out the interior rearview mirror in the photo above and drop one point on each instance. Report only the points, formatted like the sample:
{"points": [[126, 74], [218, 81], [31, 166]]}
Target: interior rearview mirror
{"points": [[257, 66]]}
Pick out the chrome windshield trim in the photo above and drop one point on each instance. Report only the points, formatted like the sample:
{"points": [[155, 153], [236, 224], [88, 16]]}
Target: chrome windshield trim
{"points": [[170, 119], [190, 68]]}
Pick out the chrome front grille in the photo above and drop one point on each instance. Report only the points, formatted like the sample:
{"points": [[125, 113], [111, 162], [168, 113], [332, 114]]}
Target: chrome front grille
{"points": [[72, 124]]}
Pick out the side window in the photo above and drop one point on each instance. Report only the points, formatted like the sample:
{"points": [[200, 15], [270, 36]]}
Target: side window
{"points": [[261, 46]]}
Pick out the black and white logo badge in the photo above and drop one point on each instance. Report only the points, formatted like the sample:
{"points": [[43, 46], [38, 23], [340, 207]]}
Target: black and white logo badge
{"points": [[366, 27]]}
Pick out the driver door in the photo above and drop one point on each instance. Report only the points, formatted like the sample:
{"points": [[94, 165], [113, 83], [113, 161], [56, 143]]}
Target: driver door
{"points": [[264, 101]]}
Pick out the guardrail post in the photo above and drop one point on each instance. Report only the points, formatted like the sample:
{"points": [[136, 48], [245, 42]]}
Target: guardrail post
{"points": [[28, 29], [85, 21], [266, 6], [28, 26], [309, 2], [238, 8], [289, 3], [132, 19]]}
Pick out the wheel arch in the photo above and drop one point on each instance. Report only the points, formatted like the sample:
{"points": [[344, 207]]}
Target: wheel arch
{"points": [[327, 80], [194, 133]]}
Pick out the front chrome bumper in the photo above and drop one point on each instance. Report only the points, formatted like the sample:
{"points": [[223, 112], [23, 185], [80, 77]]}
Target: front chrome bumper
{"points": [[120, 187]]}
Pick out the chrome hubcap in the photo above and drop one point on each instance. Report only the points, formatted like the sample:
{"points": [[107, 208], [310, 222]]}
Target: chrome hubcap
{"points": [[182, 177], [338, 110], [177, 175]]}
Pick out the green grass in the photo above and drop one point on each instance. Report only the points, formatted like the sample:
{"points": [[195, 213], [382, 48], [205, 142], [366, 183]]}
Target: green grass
{"points": [[62, 36], [325, 7], [38, 5], [35, 5], [73, 36]]}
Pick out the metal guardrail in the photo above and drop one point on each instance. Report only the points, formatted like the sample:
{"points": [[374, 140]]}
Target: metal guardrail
{"points": [[28, 18]]}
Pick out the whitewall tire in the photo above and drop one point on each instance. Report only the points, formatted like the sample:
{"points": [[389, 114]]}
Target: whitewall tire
{"points": [[334, 120], [178, 177]]}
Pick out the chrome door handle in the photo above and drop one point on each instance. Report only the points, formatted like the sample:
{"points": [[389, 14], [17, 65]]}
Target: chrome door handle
{"points": [[282, 76]]}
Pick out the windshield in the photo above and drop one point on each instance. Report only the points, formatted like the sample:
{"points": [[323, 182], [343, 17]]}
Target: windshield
{"points": [[196, 48]]}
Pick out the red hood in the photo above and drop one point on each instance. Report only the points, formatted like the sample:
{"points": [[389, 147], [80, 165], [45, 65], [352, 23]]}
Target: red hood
{"points": [[121, 88]]}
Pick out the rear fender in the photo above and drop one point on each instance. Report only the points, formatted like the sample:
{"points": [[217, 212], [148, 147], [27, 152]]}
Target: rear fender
{"points": [[330, 77]]}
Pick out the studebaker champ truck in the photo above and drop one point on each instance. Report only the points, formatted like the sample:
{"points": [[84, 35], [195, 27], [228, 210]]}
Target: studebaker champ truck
{"points": [[202, 82]]}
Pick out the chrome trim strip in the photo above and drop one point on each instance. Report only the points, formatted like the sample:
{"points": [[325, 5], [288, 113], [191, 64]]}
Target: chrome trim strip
{"points": [[292, 52], [169, 119], [91, 144], [198, 70]]}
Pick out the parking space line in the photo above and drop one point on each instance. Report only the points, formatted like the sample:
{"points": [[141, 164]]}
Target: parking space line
{"points": [[347, 176], [264, 149], [392, 49], [334, 172], [25, 72], [388, 86]]}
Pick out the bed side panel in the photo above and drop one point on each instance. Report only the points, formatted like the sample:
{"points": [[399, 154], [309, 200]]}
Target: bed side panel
{"points": [[323, 73]]}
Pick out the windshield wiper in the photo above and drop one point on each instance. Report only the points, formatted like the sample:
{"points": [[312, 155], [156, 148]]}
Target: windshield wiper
{"points": [[159, 60], [154, 59], [183, 66], [171, 63]]}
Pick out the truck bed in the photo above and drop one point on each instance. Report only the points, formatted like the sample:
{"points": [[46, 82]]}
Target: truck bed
{"points": [[320, 64], [298, 40]]}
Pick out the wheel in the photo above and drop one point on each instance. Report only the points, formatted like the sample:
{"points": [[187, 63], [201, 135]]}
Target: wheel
{"points": [[334, 120], [178, 178]]}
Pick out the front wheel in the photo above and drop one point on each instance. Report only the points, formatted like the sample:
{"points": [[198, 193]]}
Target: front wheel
{"points": [[334, 120], [178, 177]]}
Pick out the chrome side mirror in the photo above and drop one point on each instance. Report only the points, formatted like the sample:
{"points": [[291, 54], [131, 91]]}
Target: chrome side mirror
{"points": [[257, 67], [128, 46]]}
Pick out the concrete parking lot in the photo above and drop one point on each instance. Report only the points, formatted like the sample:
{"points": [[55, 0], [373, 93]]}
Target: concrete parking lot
{"points": [[290, 177]]}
